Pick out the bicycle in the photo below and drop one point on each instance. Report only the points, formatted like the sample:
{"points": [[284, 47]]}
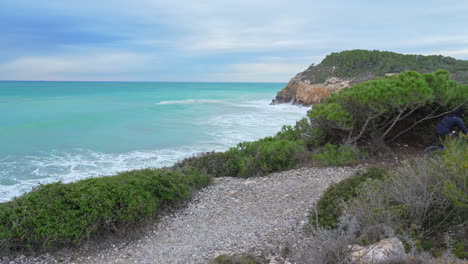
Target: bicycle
{"points": [[432, 150], [437, 149]]}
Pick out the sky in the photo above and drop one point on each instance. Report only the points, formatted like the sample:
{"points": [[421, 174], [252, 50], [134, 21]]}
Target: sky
{"points": [[213, 40]]}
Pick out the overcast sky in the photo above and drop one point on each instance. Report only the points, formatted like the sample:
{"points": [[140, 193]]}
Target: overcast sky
{"points": [[213, 40]]}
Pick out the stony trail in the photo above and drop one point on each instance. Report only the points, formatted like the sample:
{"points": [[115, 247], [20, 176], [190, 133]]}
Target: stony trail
{"points": [[231, 216]]}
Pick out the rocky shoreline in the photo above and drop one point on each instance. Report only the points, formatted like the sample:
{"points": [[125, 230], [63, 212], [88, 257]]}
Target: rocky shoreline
{"points": [[257, 215]]}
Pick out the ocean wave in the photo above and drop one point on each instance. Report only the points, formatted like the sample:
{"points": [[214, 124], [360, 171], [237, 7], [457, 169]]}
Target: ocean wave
{"points": [[258, 104], [190, 101], [253, 120], [265, 120], [80, 164]]}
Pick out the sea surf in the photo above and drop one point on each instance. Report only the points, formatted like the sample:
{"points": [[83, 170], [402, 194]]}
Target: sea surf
{"points": [[66, 131]]}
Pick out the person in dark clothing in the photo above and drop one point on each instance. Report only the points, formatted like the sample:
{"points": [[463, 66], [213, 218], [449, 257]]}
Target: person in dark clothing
{"points": [[449, 122]]}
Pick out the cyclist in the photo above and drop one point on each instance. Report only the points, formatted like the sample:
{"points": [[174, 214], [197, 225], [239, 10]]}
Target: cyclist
{"points": [[450, 121]]}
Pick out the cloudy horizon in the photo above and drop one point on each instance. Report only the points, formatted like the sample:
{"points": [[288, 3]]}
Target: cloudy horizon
{"points": [[240, 41]]}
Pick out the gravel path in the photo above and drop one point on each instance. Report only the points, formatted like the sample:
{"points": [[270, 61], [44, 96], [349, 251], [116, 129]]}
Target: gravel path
{"points": [[231, 216]]}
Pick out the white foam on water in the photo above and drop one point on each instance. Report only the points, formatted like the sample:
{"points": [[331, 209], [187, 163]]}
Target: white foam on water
{"points": [[190, 101], [80, 164], [259, 119], [255, 120]]}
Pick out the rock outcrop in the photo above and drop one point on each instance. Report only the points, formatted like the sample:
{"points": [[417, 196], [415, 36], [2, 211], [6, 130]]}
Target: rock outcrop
{"points": [[315, 84], [390, 249], [301, 91]]}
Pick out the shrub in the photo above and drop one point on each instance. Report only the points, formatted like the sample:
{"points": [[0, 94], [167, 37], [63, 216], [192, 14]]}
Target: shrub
{"points": [[288, 133], [249, 159], [332, 246], [274, 156], [338, 155], [305, 131], [416, 202], [217, 164], [412, 203], [456, 158], [236, 259], [60, 214], [330, 205], [329, 246]]}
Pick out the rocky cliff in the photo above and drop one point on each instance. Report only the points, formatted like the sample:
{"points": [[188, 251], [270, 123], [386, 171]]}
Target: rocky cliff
{"points": [[344, 69]]}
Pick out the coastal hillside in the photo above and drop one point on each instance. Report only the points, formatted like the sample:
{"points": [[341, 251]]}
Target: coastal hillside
{"points": [[346, 68]]}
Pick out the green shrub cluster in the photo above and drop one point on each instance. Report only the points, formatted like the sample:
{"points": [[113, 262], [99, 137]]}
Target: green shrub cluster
{"points": [[338, 155], [236, 259], [305, 131], [456, 159], [352, 62], [423, 202], [330, 206], [381, 110], [249, 159], [60, 214]]}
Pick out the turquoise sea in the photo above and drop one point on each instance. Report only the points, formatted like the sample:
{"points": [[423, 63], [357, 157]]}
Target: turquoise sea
{"points": [[51, 131]]}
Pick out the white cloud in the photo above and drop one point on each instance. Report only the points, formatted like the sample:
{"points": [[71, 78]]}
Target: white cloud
{"points": [[458, 53], [72, 67], [257, 72], [199, 35], [267, 68], [422, 41]]}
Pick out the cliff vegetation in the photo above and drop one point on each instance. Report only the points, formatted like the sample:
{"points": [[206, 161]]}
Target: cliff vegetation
{"points": [[376, 63], [347, 68]]}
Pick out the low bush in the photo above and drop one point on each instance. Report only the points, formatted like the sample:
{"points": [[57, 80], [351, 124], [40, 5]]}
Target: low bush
{"points": [[249, 159], [330, 206], [422, 202], [58, 214], [276, 155], [217, 164], [236, 259], [305, 131], [456, 159], [332, 246], [338, 155]]}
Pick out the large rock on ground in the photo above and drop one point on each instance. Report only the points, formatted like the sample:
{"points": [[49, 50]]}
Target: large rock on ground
{"points": [[385, 250]]}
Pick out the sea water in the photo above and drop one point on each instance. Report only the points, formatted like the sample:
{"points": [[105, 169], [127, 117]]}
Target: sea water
{"points": [[66, 131]]}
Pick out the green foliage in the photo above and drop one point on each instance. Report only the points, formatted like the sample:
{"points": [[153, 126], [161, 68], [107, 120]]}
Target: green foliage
{"points": [[60, 214], [249, 159], [235, 259], [276, 155], [381, 110], [455, 157], [410, 202], [338, 155], [288, 133], [415, 202], [217, 164], [353, 62], [460, 250], [330, 205], [304, 131]]}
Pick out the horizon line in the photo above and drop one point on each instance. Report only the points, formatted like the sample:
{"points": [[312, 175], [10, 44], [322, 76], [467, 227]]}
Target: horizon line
{"points": [[139, 81]]}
